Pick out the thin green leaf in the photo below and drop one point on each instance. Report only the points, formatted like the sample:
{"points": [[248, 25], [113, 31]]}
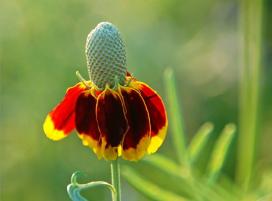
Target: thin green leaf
{"points": [[160, 162], [209, 192], [147, 188], [180, 176], [191, 187], [175, 116], [169, 167], [251, 70], [220, 151], [199, 141]]}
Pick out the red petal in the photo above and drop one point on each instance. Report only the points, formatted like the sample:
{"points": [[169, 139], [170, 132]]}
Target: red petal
{"points": [[85, 121], [60, 121], [111, 122], [128, 74], [137, 139], [157, 114]]}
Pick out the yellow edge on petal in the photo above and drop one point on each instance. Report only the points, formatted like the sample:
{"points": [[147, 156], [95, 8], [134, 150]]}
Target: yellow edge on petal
{"points": [[81, 85], [134, 154], [91, 143], [50, 131], [157, 140], [109, 152]]}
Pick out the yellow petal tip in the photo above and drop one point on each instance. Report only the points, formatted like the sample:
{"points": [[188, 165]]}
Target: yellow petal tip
{"points": [[157, 140], [50, 131]]}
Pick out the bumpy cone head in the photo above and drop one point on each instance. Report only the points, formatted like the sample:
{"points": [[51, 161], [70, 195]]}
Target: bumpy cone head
{"points": [[106, 56]]}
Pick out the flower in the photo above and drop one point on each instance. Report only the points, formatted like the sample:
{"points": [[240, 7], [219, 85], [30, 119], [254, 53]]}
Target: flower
{"points": [[113, 113]]}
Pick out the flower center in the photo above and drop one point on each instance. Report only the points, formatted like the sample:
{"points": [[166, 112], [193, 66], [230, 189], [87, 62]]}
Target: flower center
{"points": [[106, 56]]}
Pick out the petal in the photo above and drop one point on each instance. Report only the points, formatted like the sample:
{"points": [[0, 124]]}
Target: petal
{"points": [[157, 114], [85, 121], [60, 121], [128, 74], [111, 122], [137, 139]]}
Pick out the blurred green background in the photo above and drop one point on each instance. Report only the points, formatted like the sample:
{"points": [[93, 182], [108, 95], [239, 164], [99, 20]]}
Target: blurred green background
{"points": [[42, 45]]}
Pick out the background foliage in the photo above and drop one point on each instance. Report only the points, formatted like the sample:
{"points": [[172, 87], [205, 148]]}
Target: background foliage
{"points": [[42, 45]]}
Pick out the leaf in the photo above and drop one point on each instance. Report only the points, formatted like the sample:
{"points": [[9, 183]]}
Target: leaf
{"points": [[220, 151], [179, 176], [175, 116], [166, 165], [193, 187], [147, 188], [190, 187], [74, 188], [199, 141]]}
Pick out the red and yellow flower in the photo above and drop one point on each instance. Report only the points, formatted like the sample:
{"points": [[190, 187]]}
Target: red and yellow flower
{"points": [[116, 117]]}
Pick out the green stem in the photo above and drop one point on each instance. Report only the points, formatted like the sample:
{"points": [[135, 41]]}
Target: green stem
{"points": [[251, 35], [115, 179]]}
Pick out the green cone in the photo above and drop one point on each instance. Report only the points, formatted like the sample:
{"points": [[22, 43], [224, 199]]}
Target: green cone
{"points": [[106, 56]]}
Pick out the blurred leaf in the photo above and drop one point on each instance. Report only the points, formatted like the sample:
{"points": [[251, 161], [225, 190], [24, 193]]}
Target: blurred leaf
{"points": [[165, 164], [147, 188], [170, 168], [175, 116], [210, 192], [220, 151], [251, 70], [199, 141], [193, 188], [229, 187], [183, 173]]}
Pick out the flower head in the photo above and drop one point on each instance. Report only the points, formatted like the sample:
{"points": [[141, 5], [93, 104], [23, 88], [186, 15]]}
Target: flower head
{"points": [[113, 113]]}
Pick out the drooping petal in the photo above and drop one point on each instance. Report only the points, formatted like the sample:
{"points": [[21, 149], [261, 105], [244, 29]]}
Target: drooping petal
{"points": [[111, 122], [157, 114], [137, 139], [60, 121], [85, 120]]}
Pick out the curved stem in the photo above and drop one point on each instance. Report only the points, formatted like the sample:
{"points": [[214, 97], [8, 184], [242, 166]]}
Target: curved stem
{"points": [[74, 188], [115, 179]]}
